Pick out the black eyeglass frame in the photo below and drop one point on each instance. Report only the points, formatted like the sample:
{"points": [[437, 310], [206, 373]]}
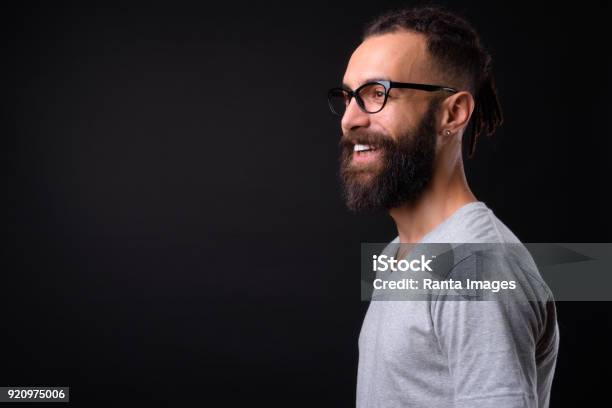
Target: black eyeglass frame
{"points": [[388, 85]]}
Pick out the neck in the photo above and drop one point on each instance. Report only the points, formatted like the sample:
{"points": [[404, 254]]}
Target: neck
{"points": [[446, 193]]}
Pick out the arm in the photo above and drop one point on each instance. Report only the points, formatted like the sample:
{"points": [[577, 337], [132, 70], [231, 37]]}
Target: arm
{"points": [[491, 344]]}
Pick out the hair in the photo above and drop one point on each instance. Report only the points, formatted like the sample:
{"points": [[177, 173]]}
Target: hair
{"points": [[456, 50]]}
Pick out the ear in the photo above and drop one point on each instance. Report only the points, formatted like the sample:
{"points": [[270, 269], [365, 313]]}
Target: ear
{"points": [[455, 113]]}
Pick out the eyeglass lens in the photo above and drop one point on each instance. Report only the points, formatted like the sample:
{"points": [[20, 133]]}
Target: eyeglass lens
{"points": [[371, 98]]}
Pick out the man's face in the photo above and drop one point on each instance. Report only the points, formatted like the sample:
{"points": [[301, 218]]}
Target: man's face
{"points": [[401, 137]]}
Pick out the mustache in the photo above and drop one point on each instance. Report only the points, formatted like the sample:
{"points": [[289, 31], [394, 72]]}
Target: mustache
{"points": [[377, 140]]}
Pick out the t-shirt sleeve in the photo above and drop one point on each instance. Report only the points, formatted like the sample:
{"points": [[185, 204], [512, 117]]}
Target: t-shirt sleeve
{"points": [[491, 349]]}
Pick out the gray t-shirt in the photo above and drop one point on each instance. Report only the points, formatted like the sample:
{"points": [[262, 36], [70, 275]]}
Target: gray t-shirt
{"points": [[460, 353]]}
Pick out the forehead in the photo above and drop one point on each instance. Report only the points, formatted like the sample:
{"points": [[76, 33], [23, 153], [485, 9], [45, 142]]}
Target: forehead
{"points": [[399, 56]]}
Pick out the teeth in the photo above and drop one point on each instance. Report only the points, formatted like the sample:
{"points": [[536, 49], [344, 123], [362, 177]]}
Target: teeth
{"points": [[361, 148]]}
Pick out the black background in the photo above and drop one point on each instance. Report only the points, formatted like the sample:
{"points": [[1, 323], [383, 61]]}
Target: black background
{"points": [[176, 228]]}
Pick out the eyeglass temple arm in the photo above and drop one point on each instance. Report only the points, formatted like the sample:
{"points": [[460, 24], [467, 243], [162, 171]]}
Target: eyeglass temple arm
{"points": [[423, 87]]}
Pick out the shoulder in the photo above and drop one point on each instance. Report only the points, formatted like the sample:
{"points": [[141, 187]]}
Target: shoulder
{"points": [[478, 223]]}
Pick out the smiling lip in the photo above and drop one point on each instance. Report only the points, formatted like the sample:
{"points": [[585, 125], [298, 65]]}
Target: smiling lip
{"points": [[363, 153]]}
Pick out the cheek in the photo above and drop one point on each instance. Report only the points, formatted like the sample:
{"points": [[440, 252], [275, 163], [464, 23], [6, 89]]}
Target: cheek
{"points": [[396, 122]]}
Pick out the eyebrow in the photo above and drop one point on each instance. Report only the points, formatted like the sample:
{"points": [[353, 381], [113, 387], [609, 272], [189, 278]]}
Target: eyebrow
{"points": [[366, 81]]}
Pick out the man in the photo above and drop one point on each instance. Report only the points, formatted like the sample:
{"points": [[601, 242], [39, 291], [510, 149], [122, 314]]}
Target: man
{"points": [[408, 94]]}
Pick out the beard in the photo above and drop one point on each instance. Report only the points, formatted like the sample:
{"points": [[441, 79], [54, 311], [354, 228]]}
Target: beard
{"points": [[401, 173]]}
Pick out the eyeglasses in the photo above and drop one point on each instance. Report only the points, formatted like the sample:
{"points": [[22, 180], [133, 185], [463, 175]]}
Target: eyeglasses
{"points": [[372, 96]]}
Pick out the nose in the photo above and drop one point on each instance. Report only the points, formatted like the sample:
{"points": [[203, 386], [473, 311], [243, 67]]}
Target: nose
{"points": [[354, 117]]}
